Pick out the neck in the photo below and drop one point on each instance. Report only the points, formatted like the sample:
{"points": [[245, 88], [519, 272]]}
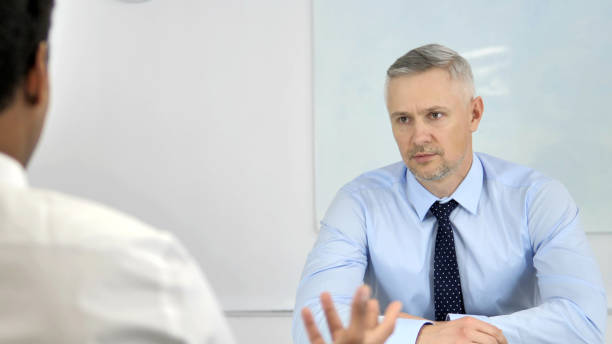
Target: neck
{"points": [[12, 137], [447, 185]]}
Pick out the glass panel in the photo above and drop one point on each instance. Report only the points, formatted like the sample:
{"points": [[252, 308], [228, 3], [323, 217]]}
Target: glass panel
{"points": [[542, 68]]}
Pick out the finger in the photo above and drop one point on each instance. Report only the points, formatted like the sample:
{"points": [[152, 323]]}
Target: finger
{"points": [[372, 314], [480, 337], [358, 310], [386, 327], [487, 328], [311, 327], [501, 339], [332, 317]]}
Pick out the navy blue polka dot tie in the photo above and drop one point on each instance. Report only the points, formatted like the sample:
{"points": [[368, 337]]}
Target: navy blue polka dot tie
{"points": [[447, 284]]}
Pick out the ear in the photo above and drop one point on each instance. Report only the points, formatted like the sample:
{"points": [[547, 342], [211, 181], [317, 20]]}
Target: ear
{"points": [[477, 109], [36, 83]]}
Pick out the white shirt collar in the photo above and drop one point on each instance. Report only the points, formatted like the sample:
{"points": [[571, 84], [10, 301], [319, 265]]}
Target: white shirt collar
{"points": [[11, 172]]}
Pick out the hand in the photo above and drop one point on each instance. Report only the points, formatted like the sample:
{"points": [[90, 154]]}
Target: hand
{"points": [[363, 328], [463, 330]]}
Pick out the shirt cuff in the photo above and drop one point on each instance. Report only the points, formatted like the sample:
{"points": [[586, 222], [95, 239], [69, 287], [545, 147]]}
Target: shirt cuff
{"points": [[452, 316], [406, 330]]}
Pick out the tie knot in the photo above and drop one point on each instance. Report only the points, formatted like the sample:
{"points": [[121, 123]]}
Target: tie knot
{"points": [[443, 210]]}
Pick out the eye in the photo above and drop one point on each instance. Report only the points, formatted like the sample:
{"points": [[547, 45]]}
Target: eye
{"points": [[403, 119], [436, 115]]}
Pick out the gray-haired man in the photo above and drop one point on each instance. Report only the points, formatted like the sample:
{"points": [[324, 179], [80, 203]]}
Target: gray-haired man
{"points": [[449, 232]]}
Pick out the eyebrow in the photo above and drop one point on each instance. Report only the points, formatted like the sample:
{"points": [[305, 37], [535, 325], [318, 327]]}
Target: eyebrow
{"points": [[425, 111]]}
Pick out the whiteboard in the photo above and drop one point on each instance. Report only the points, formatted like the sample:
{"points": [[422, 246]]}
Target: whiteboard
{"points": [[542, 68], [197, 119]]}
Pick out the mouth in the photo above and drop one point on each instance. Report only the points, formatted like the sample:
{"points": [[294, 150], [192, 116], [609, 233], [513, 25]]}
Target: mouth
{"points": [[423, 157]]}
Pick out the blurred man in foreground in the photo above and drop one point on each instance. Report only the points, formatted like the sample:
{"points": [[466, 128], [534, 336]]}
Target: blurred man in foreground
{"points": [[74, 271]]}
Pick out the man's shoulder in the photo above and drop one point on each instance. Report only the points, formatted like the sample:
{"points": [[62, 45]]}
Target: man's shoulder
{"points": [[378, 179], [508, 173], [55, 218], [534, 185]]}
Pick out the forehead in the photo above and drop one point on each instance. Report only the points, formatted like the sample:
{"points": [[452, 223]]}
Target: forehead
{"points": [[434, 87]]}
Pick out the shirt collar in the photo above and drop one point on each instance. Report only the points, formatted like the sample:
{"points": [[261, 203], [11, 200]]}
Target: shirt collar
{"points": [[467, 193], [11, 172]]}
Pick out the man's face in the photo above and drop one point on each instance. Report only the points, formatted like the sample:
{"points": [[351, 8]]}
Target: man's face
{"points": [[433, 117]]}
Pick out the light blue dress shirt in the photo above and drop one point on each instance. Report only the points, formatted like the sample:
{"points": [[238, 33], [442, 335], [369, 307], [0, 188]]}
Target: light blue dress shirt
{"points": [[524, 260]]}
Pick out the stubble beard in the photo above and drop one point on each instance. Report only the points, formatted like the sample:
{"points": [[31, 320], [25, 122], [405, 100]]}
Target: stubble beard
{"points": [[441, 172]]}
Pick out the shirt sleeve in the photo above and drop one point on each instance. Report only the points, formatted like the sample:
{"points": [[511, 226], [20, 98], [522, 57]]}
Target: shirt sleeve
{"points": [[572, 298], [337, 264]]}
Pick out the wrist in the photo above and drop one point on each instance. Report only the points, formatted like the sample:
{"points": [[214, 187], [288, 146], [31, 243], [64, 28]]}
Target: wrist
{"points": [[423, 333]]}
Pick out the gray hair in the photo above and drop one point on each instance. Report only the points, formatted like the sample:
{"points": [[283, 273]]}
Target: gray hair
{"points": [[430, 56]]}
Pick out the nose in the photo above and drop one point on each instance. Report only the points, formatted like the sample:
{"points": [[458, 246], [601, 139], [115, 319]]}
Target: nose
{"points": [[422, 133]]}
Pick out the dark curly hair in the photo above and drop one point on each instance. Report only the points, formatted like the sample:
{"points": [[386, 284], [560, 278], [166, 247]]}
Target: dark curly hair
{"points": [[23, 25]]}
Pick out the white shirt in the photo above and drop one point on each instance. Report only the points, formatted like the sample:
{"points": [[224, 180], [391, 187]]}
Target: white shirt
{"points": [[72, 271]]}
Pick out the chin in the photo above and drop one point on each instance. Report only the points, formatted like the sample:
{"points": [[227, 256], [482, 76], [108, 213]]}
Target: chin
{"points": [[431, 176], [422, 175]]}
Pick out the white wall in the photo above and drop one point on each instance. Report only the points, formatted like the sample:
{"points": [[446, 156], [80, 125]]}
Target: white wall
{"points": [[195, 116]]}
